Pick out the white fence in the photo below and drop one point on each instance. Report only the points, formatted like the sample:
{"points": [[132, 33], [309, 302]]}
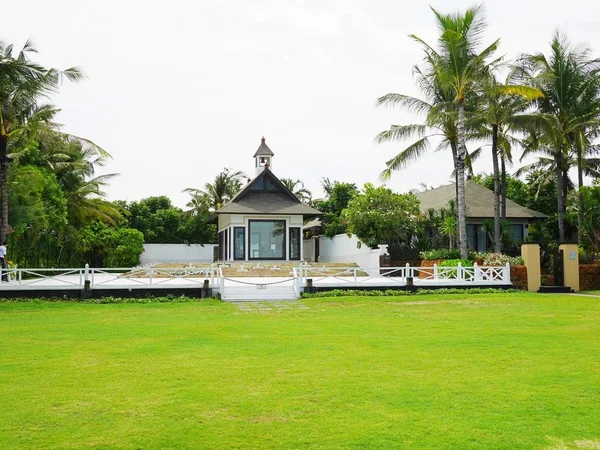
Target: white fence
{"points": [[173, 253], [255, 287]]}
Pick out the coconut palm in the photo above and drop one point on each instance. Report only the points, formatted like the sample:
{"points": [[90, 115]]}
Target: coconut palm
{"points": [[498, 104], [453, 70], [224, 187], [298, 189], [568, 78], [461, 63], [23, 83]]}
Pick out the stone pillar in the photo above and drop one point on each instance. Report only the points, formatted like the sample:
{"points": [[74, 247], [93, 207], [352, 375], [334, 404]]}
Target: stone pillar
{"points": [[531, 257], [571, 265]]}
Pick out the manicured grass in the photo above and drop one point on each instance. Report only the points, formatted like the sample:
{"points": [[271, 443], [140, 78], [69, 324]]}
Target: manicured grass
{"points": [[489, 371]]}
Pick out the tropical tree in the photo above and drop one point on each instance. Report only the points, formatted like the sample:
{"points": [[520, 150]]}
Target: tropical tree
{"points": [[452, 72], [224, 187], [568, 111], [298, 189], [461, 64], [23, 83], [498, 104], [379, 216]]}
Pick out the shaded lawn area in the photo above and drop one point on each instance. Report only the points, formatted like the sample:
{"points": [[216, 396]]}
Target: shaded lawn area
{"points": [[498, 371]]}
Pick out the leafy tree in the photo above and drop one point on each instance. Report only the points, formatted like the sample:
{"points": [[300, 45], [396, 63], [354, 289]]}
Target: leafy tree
{"points": [[159, 221], [127, 247], [332, 207], [103, 245], [23, 84], [379, 216]]}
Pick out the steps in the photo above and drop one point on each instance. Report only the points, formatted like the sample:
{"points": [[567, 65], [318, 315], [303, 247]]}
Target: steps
{"points": [[258, 293]]}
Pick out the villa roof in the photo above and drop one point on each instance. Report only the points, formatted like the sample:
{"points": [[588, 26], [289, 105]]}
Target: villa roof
{"points": [[479, 199], [263, 150], [267, 195]]}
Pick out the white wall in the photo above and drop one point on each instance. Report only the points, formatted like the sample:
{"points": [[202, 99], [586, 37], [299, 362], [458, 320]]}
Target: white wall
{"points": [[183, 253], [308, 250], [342, 248]]}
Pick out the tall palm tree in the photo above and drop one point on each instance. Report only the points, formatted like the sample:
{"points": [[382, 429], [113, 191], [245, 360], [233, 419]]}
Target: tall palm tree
{"points": [[453, 71], [23, 83], [568, 78], [298, 189], [224, 187], [461, 64], [499, 103]]}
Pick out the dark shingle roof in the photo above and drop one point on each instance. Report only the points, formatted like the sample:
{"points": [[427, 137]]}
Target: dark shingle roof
{"points": [[263, 150], [267, 203], [278, 199], [480, 202]]}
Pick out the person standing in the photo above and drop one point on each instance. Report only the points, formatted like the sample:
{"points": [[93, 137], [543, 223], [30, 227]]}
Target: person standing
{"points": [[4, 261]]}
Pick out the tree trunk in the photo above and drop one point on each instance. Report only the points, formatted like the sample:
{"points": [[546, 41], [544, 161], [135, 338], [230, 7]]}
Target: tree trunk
{"points": [[503, 186], [460, 175], [559, 197], [580, 202], [3, 186], [454, 148], [497, 240]]}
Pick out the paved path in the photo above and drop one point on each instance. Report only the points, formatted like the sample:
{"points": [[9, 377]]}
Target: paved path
{"points": [[271, 306]]}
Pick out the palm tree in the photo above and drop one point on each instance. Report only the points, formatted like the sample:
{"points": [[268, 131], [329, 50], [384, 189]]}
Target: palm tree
{"points": [[298, 189], [22, 84], [224, 187], [499, 103], [461, 65], [568, 78], [449, 81]]}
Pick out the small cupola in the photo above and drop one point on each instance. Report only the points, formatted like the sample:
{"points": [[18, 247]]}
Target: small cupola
{"points": [[263, 157]]}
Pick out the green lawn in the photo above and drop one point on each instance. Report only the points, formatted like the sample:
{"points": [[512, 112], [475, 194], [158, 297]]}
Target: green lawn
{"points": [[501, 371]]}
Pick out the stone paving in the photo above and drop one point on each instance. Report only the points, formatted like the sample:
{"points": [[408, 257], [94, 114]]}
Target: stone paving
{"points": [[271, 306]]}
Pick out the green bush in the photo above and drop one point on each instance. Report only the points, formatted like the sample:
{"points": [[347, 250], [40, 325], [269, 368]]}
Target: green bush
{"points": [[442, 253], [455, 262]]}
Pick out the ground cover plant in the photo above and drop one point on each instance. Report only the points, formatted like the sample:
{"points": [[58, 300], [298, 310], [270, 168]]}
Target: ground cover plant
{"points": [[490, 371]]}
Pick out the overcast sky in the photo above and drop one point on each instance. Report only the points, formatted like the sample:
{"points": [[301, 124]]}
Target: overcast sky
{"points": [[179, 90]]}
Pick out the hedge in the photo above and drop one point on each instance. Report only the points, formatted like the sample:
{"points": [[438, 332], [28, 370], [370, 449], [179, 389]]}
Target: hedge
{"points": [[589, 277], [518, 277]]}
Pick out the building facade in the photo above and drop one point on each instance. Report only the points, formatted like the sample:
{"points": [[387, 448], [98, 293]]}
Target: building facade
{"points": [[265, 220]]}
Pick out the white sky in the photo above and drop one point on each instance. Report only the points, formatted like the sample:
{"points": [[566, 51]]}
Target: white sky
{"points": [[179, 90]]}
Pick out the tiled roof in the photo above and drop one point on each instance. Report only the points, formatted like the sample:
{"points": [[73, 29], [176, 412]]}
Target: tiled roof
{"points": [[479, 199]]}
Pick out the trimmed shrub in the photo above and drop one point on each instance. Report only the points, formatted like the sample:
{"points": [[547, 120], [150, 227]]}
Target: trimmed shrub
{"points": [[518, 276], [589, 277]]}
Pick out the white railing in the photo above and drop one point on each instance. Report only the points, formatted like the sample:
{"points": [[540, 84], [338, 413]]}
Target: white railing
{"points": [[107, 278], [389, 276]]}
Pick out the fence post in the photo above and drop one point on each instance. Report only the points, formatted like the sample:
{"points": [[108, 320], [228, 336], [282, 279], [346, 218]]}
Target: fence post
{"points": [[407, 270], [354, 276], [459, 274], [20, 277], [476, 274], [507, 273], [151, 273], [435, 272]]}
